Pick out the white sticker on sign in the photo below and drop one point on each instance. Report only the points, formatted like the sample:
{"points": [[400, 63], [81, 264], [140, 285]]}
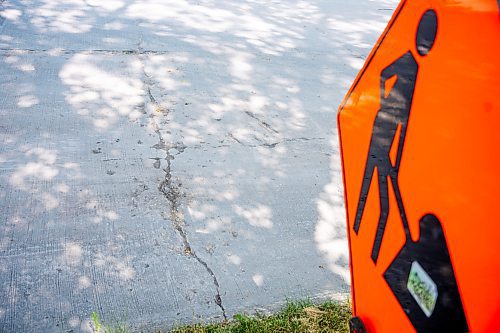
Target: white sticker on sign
{"points": [[422, 288]]}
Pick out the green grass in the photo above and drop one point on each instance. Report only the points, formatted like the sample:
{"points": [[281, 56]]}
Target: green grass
{"points": [[99, 327], [295, 317]]}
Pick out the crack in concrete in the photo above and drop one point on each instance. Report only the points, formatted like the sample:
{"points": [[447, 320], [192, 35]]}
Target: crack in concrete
{"points": [[302, 139], [235, 139], [157, 106], [2, 19], [261, 122], [171, 191], [273, 144]]}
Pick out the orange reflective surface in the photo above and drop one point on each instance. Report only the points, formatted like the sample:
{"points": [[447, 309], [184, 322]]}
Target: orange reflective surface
{"points": [[450, 164]]}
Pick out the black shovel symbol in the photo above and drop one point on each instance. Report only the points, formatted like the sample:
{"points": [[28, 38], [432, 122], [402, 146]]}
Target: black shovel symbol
{"points": [[421, 276]]}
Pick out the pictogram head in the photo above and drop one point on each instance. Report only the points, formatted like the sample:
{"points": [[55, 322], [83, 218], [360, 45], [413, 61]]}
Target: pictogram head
{"points": [[426, 32]]}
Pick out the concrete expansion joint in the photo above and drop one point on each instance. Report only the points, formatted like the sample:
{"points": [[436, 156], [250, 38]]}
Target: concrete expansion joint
{"points": [[46, 51]]}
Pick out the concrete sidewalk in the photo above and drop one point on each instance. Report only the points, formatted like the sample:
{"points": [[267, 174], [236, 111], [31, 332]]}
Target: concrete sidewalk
{"points": [[167, 162]]}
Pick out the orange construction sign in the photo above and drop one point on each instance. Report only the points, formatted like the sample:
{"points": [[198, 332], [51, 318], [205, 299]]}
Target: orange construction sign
{"points": [[420, 139]]}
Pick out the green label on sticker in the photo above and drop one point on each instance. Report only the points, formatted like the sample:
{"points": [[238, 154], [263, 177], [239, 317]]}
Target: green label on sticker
{"points": [[422, 288]]}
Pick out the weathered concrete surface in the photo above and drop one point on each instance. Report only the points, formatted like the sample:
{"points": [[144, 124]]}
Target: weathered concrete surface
{"points": [[166, 162]]}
